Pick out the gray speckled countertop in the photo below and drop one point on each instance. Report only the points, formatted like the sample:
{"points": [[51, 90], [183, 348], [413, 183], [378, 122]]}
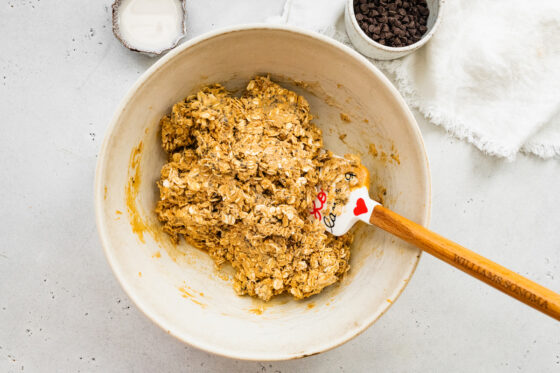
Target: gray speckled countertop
{"points": [[61, 310]]}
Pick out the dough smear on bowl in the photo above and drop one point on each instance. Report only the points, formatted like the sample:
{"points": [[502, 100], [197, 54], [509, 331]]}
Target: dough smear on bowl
{"points": [[240, 182]]}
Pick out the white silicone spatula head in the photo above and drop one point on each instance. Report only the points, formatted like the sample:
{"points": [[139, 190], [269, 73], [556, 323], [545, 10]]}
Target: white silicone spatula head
{"points": [[359, 205]]}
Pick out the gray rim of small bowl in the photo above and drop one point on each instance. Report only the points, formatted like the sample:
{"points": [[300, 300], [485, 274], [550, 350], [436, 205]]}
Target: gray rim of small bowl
{"points": [[423, 40], [99, 200]]}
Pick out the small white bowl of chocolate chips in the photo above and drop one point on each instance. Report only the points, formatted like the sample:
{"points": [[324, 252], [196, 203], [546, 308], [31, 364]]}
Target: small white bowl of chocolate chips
{"points": [[389, 29]]}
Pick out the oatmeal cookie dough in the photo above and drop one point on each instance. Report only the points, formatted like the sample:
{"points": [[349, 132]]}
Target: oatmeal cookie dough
{"points": [[240, 181]]}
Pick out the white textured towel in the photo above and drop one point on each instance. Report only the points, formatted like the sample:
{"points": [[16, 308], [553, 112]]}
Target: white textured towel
{"points": [[490, 74]]}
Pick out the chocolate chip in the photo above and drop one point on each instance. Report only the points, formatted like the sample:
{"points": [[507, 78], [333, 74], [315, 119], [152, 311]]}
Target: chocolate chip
{"points": [[395, 23]]}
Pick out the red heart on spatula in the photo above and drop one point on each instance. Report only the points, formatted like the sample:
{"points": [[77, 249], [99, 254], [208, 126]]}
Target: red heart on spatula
{"points": [[360, 208]]}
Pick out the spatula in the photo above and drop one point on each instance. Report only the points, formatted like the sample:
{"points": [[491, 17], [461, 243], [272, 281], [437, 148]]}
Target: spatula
{"points": [[361, 207]]}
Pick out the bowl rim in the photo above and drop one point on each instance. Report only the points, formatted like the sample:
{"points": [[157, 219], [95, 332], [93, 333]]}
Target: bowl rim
{"points": [[372, 43], [102, 223]]}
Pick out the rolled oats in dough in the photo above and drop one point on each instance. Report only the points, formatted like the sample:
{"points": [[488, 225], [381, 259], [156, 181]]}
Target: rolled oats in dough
{"points": [[240, 181]]}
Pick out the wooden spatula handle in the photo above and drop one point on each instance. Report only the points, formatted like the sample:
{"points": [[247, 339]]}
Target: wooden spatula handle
{"points": [[493, 274]]}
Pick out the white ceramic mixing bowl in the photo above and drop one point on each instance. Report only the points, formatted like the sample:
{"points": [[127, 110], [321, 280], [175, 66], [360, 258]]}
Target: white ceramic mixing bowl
{"points": [[185, 294]]}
